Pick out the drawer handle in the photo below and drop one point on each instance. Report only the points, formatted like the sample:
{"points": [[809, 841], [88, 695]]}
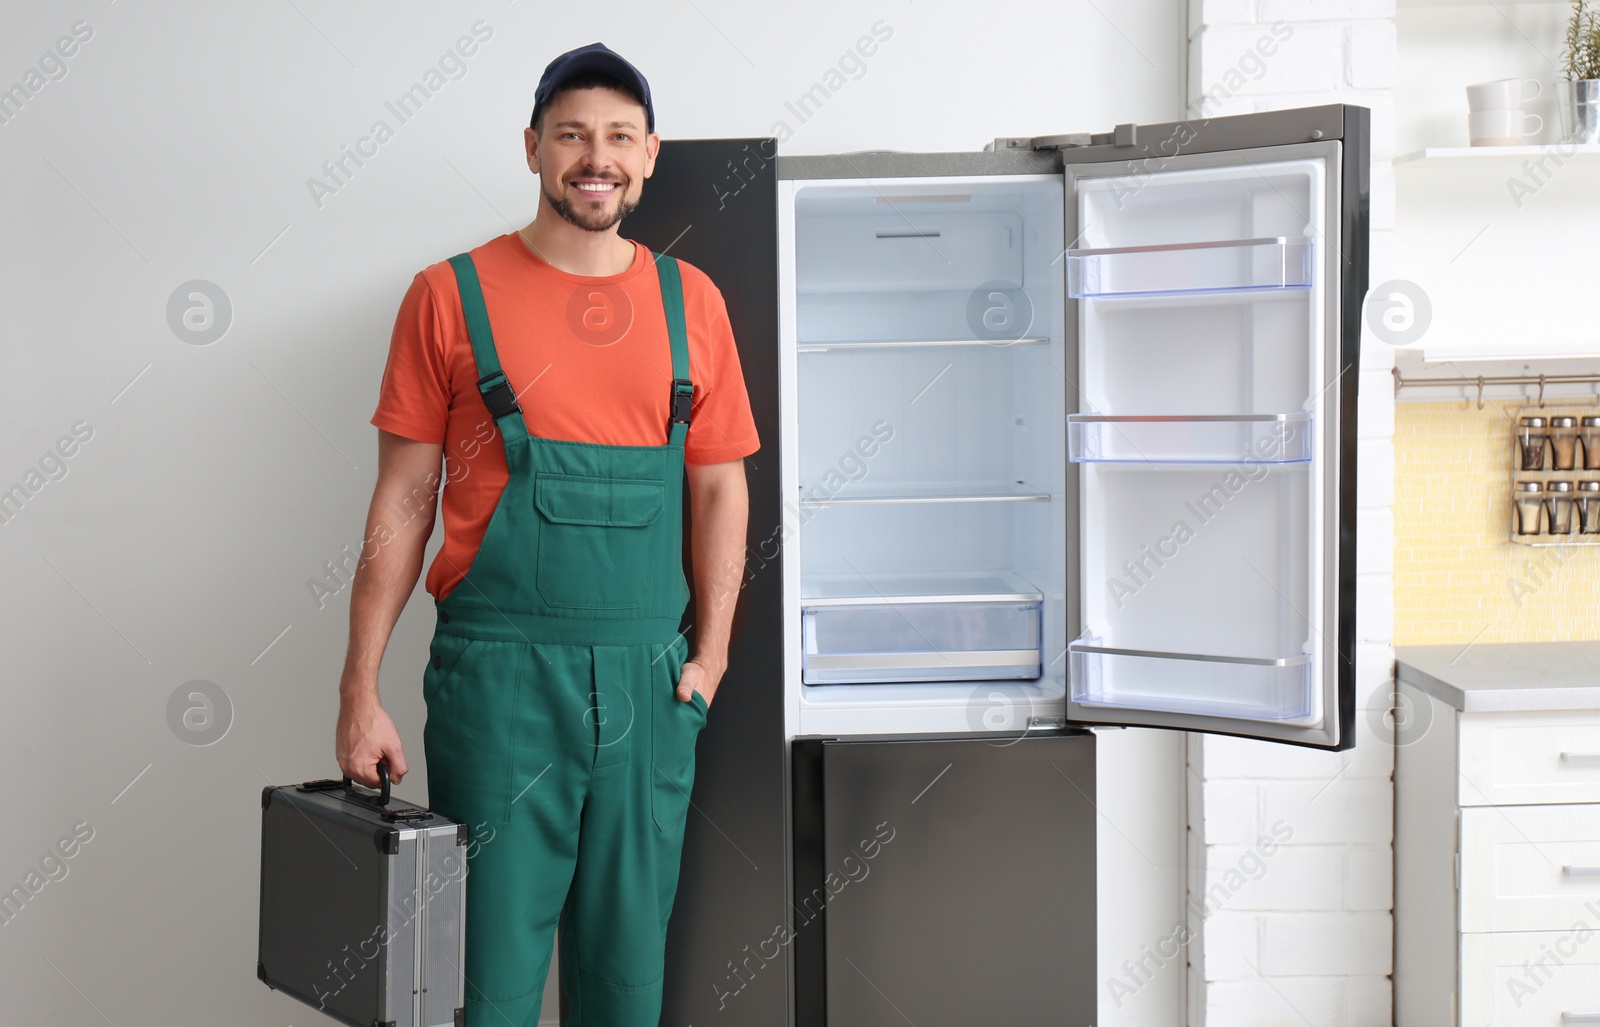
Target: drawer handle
{"points": [[1580, 1017], [1580, 757], [1572, 871]]}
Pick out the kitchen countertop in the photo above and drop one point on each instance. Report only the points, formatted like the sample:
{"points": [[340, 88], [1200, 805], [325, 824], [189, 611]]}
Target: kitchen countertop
{"points": [[1505, 676]]}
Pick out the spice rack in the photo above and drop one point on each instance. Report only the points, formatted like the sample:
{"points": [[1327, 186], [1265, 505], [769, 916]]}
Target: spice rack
{"points": [[1555, 475]]}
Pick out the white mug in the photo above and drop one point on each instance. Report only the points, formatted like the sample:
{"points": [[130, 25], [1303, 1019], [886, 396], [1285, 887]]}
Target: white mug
{"points": [[1502, 128], [1502, 94]]}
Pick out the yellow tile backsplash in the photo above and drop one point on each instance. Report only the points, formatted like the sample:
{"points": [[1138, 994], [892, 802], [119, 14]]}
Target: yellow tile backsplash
{"points": [[1457, 577]]}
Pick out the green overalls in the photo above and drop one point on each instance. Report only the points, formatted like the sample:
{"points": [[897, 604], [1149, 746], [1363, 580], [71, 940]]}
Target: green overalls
{"points": [[553, 726]]}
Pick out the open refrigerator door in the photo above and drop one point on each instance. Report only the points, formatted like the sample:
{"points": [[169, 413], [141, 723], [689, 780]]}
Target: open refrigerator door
{"points": [[1209, 435]]}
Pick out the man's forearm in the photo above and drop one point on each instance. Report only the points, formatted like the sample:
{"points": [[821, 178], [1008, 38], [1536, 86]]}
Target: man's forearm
{"points": [[719, 517], [391, 561]]}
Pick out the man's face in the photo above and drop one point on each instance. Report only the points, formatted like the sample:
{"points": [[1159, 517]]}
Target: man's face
{"points": [[592, 156]]}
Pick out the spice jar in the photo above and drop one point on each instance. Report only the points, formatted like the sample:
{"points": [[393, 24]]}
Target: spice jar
{"points": [[1563, 442], [1589, 428], [1558, 505], [1530, 442], [1589, 507], [1529, 498]]}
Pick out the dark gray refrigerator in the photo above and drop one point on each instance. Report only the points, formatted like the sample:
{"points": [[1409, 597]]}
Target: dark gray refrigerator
{"points": [[1056, 434]]}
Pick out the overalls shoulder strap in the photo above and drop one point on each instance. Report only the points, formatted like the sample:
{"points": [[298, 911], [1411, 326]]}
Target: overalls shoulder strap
{"points": [[678, 335], [501, 399], [497, 393]]}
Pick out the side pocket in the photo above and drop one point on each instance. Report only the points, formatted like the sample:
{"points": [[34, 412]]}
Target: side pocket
{"points": [[472, 704], [445, 652], [675, 727]]}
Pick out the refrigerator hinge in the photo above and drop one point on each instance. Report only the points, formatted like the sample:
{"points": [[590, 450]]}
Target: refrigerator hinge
{"points": [[1122, 135], [1056, 142], [1043, 723]]}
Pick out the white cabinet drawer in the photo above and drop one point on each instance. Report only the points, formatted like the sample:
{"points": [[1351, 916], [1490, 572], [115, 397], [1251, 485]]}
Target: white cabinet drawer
{"points": [[1530, 868], [1530, 757], [1537, 979]]}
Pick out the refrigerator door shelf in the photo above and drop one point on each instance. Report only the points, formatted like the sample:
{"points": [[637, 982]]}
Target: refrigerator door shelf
{"points": [[1279, 262], [1204, 438], [956, 492], [886, 642], [877, 344], [1250, 688]]}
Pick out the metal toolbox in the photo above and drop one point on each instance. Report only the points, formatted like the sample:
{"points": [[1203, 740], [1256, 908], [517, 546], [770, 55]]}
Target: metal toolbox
{"points": [[363, 904]]}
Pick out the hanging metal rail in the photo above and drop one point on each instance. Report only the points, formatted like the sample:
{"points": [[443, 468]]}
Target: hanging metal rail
{"points": [[1541, 380]]}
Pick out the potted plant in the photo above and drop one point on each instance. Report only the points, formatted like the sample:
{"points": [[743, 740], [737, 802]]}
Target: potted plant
{"points": [[1580, 62]]}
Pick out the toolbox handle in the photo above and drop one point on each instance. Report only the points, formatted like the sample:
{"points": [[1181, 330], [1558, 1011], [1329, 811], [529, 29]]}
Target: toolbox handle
{"points": [[383, 785]]}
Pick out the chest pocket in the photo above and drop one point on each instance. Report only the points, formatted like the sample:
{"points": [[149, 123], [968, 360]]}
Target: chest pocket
{"points": [[597, 539]]}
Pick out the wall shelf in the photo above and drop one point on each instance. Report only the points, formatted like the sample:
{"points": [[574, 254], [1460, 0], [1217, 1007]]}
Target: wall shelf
{"points": [[1468, 3], [1497, 158]]}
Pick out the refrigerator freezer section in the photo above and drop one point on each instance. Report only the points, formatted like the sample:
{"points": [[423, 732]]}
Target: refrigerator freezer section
{"points": [[1200, 297], [974, 904], [929, 461]]}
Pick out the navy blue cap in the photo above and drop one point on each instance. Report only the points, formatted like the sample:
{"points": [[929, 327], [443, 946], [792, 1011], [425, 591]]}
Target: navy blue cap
{"points": [[594, 57]]}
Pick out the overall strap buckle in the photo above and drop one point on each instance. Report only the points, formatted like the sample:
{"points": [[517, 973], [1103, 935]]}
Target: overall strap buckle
{"points": [[682, 396], [499, 397]]}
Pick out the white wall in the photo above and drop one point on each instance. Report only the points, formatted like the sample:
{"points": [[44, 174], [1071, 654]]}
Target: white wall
{"points": [[1306, 938], [178, 542]]}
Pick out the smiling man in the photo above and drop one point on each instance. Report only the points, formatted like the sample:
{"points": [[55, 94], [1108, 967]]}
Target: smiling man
{"points": [[569, 379]]}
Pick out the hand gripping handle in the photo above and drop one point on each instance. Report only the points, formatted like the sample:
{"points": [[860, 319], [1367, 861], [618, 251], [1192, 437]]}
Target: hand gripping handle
{"points": [[383, 786]]}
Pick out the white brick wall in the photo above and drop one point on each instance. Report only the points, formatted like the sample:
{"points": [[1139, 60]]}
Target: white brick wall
{"points": [[1291, 871]]}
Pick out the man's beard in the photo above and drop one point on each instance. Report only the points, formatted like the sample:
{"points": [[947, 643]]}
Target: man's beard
{"points": [[596, 221]]}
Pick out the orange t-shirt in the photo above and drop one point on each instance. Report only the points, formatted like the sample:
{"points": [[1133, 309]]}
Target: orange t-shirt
{"points": [[588, 357]]}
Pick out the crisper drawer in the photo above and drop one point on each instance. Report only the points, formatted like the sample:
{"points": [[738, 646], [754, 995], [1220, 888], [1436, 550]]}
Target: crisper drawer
{"points": [[1534, 978], [875, 643], [1528, 757], [1529, 868]]}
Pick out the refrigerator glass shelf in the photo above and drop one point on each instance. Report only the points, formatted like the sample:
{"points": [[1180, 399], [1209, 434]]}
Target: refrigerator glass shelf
{"points": [[881, 642], [877, 344], [960, 492], [1238, 265], [1206, 438], [896, 588], [1249, 688]]}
